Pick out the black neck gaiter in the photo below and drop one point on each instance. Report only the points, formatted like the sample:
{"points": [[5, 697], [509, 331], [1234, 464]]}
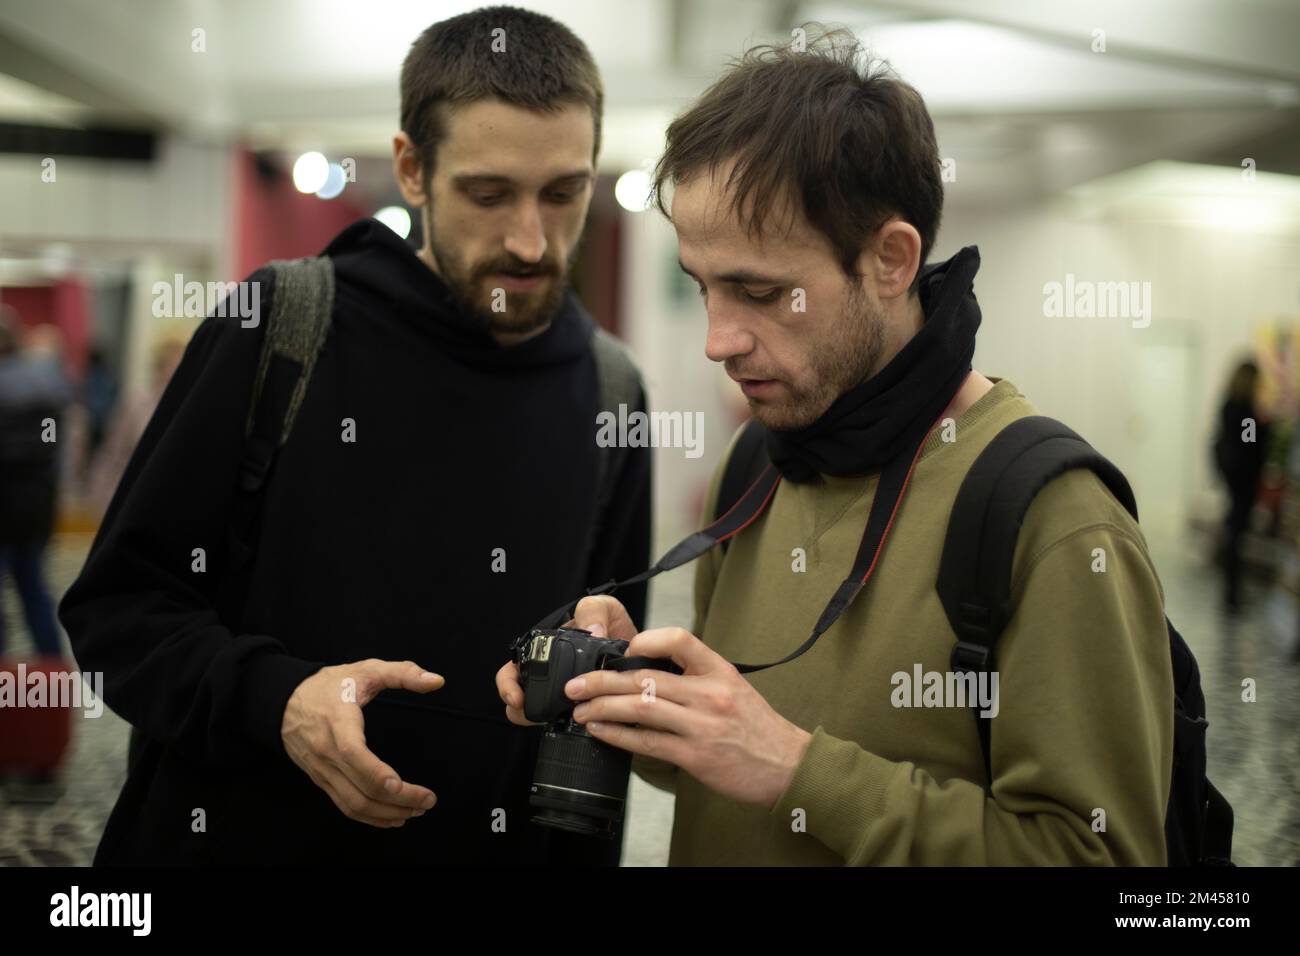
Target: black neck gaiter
{"points": [[889, 414]]}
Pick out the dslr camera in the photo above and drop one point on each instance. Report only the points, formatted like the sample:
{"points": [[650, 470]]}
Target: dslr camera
{"points": [[580, 783]]}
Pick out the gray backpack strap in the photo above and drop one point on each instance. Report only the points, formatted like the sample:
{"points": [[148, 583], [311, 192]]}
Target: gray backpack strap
{"points": [[620, 384], [301, 312]]}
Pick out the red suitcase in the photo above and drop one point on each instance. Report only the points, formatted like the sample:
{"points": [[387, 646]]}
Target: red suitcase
{"points": [[34, 739]]}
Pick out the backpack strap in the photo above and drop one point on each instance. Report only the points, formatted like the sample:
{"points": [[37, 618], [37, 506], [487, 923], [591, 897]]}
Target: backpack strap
{"points": [[1217, 849], [746, 462], [974, 582], [302, 310], [975, 571], [619, 383]]}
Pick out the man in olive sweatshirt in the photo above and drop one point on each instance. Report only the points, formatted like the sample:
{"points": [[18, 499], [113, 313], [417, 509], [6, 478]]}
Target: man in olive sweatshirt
{"points": [[807, 197]]}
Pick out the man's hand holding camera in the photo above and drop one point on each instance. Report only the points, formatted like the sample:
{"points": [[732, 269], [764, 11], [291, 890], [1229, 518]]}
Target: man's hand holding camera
{"points": [[709, 720]]}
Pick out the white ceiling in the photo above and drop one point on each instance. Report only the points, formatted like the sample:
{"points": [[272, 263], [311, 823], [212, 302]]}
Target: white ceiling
{"points": [[1021, 100]]}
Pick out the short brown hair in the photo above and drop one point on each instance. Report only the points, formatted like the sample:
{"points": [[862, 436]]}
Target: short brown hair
{"points": [[827, 129], [452, 63]]}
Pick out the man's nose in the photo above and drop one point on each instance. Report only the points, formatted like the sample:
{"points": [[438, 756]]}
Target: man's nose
{"points": [[526, 239], [727, 337]]}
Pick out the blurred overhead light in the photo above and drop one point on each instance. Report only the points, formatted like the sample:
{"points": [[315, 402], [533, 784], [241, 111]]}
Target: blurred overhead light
{"points": [[1223, 198], [310, 172], [632, 190], [335, 180]]}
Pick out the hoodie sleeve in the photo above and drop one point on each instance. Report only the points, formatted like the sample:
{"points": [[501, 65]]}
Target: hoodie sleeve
{"points": [[143, 612]]}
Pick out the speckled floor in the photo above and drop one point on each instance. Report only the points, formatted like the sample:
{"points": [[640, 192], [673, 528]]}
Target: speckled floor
{"points": [[1254, 747], [64, 833]]}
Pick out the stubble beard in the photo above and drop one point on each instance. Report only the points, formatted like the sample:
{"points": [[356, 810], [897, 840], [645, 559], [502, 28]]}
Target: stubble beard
{"points": [[836, 367], [473, 291]]}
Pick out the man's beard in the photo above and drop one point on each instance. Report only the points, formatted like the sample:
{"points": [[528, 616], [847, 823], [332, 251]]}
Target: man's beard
{"points": [[473, 293], [837, 366]]}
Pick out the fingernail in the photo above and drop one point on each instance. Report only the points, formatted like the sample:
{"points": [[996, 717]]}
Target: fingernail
{"points": [[391, 785], [597, 630], [427, 675], [580, 711], [595, 725], [418, 813], [576, 686], [429, 802]]}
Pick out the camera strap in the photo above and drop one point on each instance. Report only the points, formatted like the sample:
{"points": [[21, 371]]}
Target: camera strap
{"points": [[884, 507]]}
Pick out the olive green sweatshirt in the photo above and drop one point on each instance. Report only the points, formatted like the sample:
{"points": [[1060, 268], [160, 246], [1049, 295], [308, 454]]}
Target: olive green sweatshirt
{"points": [[1083, 734]]}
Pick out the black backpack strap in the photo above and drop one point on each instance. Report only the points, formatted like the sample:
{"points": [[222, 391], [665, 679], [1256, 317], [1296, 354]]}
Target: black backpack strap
{"points": [[974, 581], [1217, 848], [302, 310], [747, 460], [619, 383]]}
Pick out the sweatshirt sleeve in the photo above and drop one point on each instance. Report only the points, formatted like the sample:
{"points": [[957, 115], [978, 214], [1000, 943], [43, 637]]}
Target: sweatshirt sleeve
{"points": [[1083, 736], [143, 611]]}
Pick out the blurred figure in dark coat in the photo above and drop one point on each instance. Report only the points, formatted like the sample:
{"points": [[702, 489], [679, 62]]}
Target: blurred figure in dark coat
{"points": [[1239, 453], [33, 395]]}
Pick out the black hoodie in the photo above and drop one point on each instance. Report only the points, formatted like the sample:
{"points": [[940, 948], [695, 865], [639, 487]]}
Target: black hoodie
{"points": [[383, 547]]}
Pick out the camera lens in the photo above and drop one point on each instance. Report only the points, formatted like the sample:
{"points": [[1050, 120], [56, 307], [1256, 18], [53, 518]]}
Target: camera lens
{"points": [[580, 784]]}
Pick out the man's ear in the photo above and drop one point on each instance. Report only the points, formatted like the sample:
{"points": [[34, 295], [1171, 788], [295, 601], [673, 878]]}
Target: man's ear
{"points": [[893, 257], [408, 171]]}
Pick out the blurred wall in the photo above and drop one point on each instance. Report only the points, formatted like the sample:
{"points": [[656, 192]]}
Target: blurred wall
{"points": [[275, 221], [178, 201], [1146, 397]]}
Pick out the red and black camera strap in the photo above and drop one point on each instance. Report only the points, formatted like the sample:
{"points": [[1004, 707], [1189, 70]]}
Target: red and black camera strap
{"points": [[884, 509]]}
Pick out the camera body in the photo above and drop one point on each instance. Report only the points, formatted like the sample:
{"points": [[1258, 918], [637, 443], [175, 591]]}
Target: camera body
{"points": [[549, 659], [580, 783]]}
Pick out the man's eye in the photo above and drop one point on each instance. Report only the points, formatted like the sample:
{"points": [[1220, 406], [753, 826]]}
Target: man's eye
{"points": [[762, 296], [486, 199], [561, 197], [702, 291]]}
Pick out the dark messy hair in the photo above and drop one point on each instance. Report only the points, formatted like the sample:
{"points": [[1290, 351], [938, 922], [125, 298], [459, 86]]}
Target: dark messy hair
{"points": [[543, 66], [825, 129]]}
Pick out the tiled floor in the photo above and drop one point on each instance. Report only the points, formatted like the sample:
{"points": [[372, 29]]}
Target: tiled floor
{"points": [[64, 833], [1254, 747]]}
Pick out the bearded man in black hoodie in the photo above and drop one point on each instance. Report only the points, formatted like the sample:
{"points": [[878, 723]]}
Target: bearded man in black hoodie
{"points": [[431, 502]]}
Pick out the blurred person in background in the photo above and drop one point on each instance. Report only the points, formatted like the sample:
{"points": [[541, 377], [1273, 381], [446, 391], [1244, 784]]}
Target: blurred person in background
{"points": [[126, 424], [1240, 448], [99, 394], [33, 395]]}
